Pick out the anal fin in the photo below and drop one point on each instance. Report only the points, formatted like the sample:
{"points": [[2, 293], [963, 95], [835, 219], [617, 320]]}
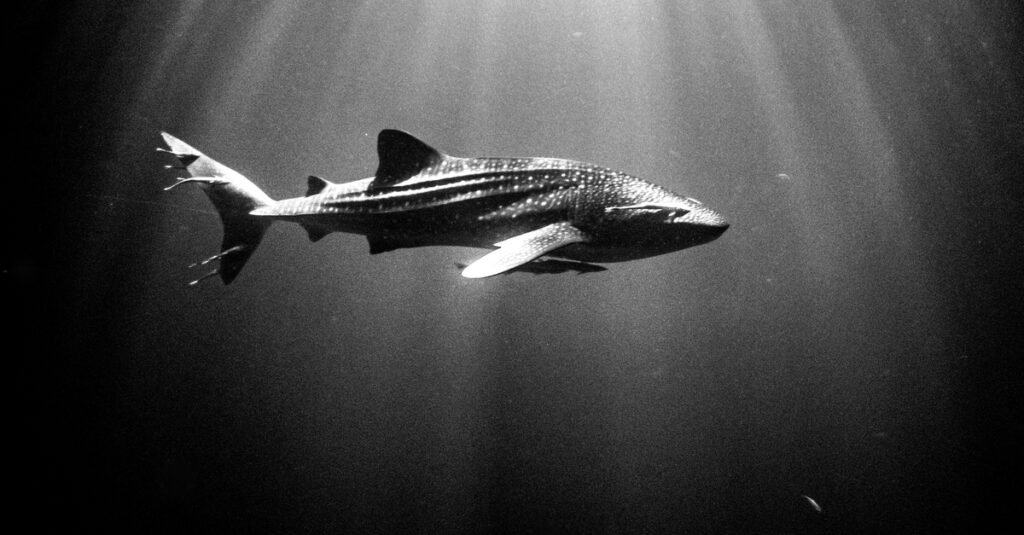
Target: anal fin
{"points": [[382, 243], [315, 232]]}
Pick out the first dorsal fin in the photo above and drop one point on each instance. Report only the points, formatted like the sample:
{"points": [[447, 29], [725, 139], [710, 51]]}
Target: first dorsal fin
{"points": [[401, 156], [315, 185]]}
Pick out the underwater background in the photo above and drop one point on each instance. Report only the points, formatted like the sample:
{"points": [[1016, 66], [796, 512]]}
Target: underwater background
{"points": [[843, 359]]}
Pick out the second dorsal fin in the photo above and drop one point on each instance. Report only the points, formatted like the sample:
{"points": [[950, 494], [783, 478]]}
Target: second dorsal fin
{"points": [[402, 156], [316, 185]]}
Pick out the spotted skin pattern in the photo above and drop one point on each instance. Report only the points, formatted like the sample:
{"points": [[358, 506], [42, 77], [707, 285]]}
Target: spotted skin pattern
{"points": [[478, 202]]}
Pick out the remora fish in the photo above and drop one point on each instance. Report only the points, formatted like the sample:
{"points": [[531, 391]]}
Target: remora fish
{"points": [[524, 208]]}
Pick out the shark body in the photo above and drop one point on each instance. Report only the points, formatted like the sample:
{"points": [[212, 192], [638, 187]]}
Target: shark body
{"points": [[527, 209]]}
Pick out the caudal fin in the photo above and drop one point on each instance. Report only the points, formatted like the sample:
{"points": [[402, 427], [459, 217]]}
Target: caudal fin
{"points": [[234, 196]]}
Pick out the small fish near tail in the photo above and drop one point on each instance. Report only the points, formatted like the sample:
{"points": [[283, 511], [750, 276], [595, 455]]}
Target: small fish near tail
{"points": [[234, 197]]}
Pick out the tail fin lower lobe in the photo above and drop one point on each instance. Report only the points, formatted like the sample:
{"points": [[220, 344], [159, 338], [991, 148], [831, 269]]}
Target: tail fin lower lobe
{"points": [[233, 195]]}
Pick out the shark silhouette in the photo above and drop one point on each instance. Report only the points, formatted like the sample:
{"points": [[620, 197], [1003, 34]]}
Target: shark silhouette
{"points": [[526, 209]]}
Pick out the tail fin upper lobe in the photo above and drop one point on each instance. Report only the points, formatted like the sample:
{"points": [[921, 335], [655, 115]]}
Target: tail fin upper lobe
{"points": [[234, 196]]}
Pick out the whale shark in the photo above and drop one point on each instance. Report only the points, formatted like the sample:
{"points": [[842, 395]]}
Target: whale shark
{"points": [[537, 215]]}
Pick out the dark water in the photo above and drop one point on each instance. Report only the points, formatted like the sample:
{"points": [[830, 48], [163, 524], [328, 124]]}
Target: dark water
{"points": [[850, 339]]}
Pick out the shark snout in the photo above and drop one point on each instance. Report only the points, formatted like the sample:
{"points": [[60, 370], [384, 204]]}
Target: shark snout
{"points": [[720, 224], [700, 225], [711, 224], [712, 220]]}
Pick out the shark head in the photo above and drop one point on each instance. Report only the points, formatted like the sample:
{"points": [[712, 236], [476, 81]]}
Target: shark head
{"points": [[667, 224]]}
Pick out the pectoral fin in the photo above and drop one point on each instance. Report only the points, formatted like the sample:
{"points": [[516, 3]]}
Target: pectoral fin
{"points": [[542, 266], [521, 249]]}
